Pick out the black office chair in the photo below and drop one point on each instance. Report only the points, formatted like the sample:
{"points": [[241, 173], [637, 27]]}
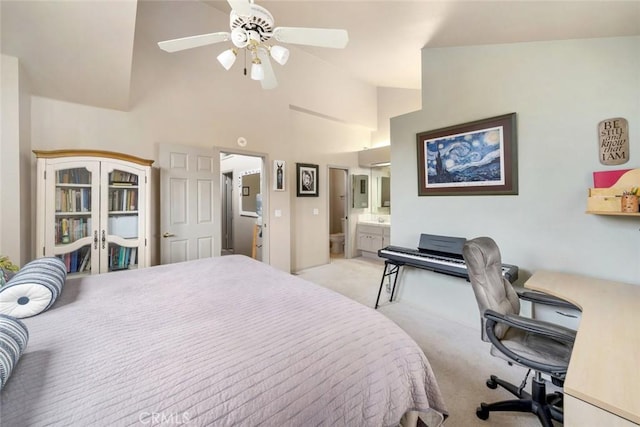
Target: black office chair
{"points": [[540, 346]]}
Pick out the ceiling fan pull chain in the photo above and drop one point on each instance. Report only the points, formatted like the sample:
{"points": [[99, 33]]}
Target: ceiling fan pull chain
{"points": [[245, 61]]}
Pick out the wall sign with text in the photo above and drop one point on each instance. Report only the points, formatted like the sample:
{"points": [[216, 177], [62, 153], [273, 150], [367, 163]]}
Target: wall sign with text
{"points": [[613, 140]]}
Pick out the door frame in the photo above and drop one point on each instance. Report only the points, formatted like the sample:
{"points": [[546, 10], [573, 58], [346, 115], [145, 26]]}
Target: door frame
{"points": [[226, 201], [265, 179], [347, 208]]}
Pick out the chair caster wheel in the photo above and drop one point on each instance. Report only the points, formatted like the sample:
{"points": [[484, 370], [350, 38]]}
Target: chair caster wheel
{"points": [[482, 412], [491, 382]]}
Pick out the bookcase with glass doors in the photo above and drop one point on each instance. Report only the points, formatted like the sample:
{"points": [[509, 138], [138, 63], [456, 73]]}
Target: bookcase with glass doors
{"points": [[93, 210]]}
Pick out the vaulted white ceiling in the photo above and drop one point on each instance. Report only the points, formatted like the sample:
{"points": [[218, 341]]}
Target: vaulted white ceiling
{"points": [[82, 51]]}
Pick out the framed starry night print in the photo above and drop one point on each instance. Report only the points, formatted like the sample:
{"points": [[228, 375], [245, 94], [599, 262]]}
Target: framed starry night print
{"points": [[475, 158]]}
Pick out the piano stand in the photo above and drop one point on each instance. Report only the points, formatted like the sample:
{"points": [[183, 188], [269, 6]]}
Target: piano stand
{"points": [[390, 267]]}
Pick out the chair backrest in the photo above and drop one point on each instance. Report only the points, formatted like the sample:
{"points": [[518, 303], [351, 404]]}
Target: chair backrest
{"points": [[492, 290]]}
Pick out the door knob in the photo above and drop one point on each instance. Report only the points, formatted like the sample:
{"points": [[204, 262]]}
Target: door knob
{"points": [[167, 234]]}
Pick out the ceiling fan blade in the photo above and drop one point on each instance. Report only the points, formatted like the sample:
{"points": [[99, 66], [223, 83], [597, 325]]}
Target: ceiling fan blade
{"points": [[193, 41], [242, 7], [269, 81], [321, 37]]}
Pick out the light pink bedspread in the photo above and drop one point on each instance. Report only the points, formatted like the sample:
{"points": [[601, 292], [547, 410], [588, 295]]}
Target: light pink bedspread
{"points": [[219, 341]]}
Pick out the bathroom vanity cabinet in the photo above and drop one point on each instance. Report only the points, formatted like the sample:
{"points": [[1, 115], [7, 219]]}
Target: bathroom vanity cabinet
{"points": [[372, 237]]}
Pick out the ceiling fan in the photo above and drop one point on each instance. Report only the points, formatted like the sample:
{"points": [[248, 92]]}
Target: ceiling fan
{"points": [[252, 28]]}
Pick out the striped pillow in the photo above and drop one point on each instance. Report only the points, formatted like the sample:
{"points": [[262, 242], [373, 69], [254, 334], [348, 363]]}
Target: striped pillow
{"points": [[34, 288], [13, 340]]}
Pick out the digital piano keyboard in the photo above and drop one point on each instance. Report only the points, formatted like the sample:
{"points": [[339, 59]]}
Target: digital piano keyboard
{"points": [[440, 264], [441, 254]]}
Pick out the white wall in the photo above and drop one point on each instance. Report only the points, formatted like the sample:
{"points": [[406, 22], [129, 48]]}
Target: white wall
{"points": [[560, 90], [393, 102], [15, 163], [324, 142]]}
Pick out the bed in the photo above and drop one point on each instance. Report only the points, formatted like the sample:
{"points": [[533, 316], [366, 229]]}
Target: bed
{"points": [[218, 341]]}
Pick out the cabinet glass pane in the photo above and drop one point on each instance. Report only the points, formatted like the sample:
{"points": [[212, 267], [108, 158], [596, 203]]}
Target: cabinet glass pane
{"points": [[73, 190], [78, 261], [121, 258], [72, 205], [123, 204], [68, 229]]}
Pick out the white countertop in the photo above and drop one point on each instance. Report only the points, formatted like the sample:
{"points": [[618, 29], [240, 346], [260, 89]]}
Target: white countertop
{"points": [[377, 223]]}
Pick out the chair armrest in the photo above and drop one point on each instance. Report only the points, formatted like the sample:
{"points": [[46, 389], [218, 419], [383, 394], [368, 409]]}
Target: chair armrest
{"points": [[537, 327], [546, 299], [533, 326]]}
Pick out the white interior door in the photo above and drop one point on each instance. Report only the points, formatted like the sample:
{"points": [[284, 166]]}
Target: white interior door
{"points": [[187, 220]]}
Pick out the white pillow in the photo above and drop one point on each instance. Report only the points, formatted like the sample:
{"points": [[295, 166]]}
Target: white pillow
{"points": [[24, 300], [34, 288]]}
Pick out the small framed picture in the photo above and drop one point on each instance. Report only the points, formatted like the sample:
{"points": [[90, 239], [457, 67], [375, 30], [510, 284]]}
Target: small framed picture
{"points": [[306, 180], [245, 190], [279, 174]]}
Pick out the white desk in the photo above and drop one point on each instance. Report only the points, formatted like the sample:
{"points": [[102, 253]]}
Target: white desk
{"points": [[602, 387]]}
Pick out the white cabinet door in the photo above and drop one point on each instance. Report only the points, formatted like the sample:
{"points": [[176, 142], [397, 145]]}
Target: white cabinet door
{"points": [[370, 238], [122, 230], [70, 220]]}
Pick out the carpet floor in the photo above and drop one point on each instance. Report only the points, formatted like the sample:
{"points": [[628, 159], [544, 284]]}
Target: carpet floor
{"points": [[460, 359]]}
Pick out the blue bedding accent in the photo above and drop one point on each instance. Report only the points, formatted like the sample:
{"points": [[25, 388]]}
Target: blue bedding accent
{"points": [[13, 340]]}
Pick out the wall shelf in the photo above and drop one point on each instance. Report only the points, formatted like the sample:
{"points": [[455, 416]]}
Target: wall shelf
{"points": [[607, 200], [614, 213]]}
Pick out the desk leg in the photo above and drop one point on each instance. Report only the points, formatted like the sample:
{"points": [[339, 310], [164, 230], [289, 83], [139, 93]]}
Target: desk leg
{"points": [[389, 269]]}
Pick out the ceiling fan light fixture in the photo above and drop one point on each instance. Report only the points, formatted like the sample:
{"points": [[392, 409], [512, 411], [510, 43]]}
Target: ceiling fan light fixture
{"points": [[279, 54], [257, 70], [228, 58], [252, 30], [239, 37]]}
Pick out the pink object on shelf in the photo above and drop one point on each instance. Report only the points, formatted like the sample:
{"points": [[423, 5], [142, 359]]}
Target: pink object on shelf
{"points": [[606, 179]]}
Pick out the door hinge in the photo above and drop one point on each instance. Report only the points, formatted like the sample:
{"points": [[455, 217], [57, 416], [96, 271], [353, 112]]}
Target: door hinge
{"points": [[43, 251], [45, 174], [145, 179], [145, 242]]}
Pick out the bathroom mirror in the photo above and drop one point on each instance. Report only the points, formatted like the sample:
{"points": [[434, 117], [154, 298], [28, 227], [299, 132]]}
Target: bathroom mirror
{"points": [[249, 192], [360, 191], [381, 190], [385, 192]]}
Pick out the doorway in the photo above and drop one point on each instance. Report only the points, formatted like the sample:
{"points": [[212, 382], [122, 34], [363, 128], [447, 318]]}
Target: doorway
{"points": [[243, 191], [338, 209]]}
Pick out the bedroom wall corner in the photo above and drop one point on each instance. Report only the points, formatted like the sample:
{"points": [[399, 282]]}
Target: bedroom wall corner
{"points": [[16, 221], [560, 90]]}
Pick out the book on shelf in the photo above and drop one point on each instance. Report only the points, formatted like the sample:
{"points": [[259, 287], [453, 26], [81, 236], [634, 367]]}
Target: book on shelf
{"points": [[123, 199], [77, 261], [85, 261], [73, 176], [122, 178], [121, 257]]}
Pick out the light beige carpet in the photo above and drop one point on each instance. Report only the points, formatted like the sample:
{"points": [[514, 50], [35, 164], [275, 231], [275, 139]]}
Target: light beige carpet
{"points": [[459, 358]]}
